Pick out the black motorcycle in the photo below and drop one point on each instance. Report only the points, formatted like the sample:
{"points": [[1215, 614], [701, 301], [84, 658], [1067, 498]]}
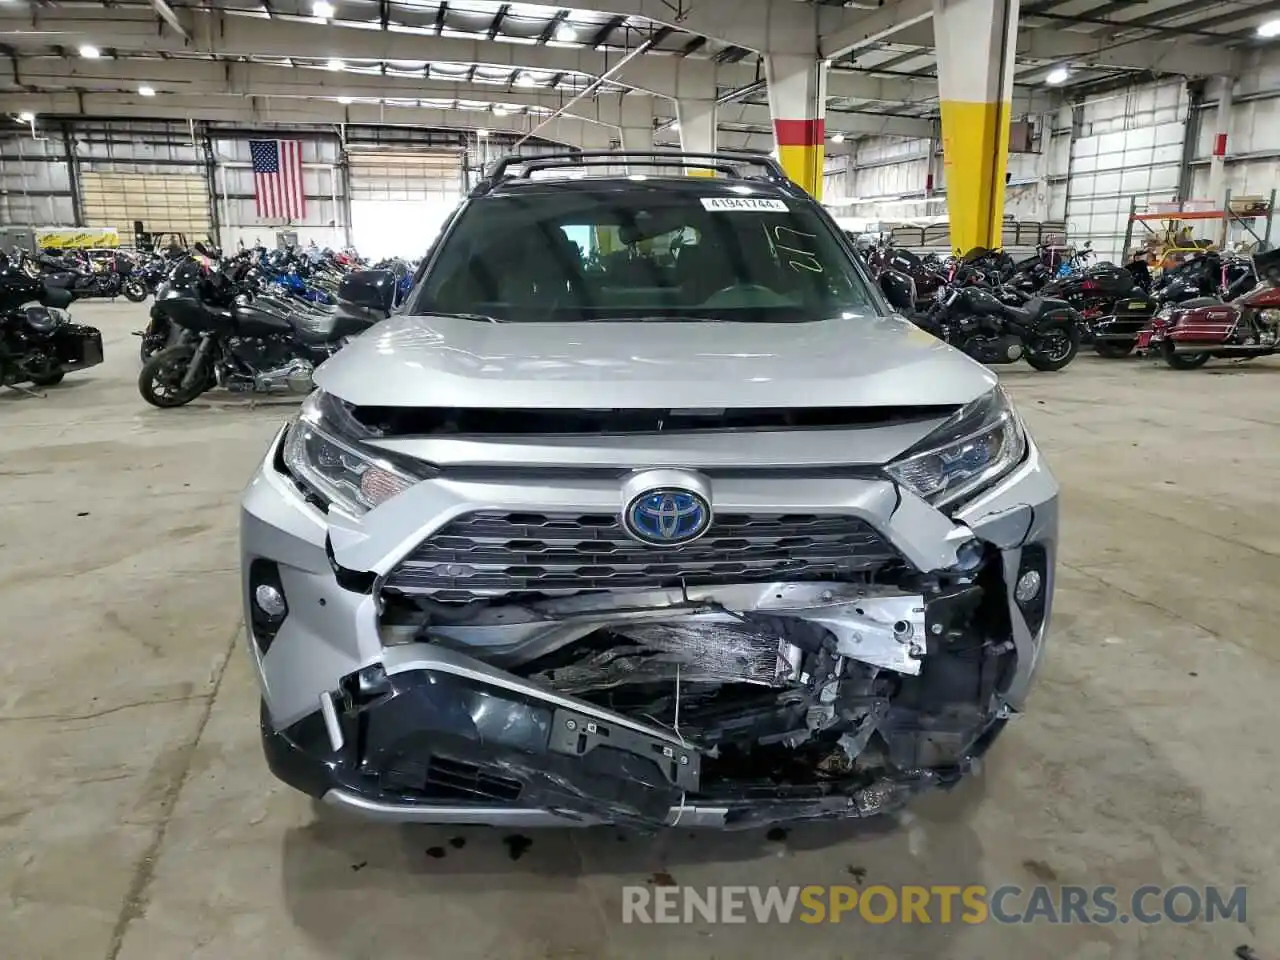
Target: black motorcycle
{"points": [[142, 281], [250, 347], [38, 342], [992, 329]]}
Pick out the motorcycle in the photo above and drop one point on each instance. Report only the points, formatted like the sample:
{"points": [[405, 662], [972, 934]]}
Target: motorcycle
{"points": [[38, 342], [161, 331], [249, 347], [143, 279], [1187, 335], [1206, 275], [975, 320]]}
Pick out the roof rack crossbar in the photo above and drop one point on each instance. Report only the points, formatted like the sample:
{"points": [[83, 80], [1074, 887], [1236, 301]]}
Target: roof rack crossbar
{"points": [[721, 162]]}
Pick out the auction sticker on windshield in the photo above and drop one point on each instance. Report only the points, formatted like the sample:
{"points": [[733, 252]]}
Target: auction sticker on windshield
{"points": [[757, 204]]}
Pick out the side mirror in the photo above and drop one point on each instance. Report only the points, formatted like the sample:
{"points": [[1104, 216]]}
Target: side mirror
{"points": [[369, 289]]}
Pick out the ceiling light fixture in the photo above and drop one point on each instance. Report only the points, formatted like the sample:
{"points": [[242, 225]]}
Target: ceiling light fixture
{"points": [[837, 138], [566, 33], [335, 65], [345, 100], [323, 9], [26, 116], [1269, 29], [90, 52], [1057, 75], [146, 91]]}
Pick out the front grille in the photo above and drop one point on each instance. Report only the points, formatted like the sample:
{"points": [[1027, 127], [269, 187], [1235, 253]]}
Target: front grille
{"points": [[440, 778], [484, 554]]}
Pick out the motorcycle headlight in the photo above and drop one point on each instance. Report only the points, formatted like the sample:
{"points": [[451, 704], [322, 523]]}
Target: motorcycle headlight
{"points": [[323, 452], [971, 451]]}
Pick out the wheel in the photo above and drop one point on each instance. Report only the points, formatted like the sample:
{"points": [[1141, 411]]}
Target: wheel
{"points": [[50, 379], [1183, 361], [160, 381], [1056, 344], [1114, 349], [134, 291]]}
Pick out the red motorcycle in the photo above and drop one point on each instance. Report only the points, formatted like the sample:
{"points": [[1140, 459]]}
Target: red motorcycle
{"points": [[1188, 334]]}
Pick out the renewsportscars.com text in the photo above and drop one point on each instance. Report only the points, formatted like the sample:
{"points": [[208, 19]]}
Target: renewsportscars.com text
{"points": [[944, 904]]}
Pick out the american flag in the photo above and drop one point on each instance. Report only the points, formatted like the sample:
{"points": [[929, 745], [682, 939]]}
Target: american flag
{"points": [[277, 179]]}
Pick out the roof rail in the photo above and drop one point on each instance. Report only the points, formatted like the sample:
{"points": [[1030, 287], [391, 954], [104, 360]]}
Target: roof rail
{"points": [[728, 164]]}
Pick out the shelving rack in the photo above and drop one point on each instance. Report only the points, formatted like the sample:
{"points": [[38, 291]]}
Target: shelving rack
{"points": [[1226, 215]]}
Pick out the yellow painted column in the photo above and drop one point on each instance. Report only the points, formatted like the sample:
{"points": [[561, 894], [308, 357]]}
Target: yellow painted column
{"points": [[798, 105], [975, 42]]}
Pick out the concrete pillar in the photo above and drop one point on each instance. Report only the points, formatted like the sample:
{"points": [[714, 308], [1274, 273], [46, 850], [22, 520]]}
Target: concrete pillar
{"points": [[697, 118], [1219, 143], [637, 139], [975, 42], [798, 106], [635, 114]]}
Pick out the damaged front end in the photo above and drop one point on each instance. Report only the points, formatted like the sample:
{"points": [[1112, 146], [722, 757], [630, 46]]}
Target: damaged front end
{"points": [[502, 664], [733, 705]]}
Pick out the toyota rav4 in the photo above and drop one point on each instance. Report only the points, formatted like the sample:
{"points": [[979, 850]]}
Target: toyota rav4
{"points": [[644, 509]]}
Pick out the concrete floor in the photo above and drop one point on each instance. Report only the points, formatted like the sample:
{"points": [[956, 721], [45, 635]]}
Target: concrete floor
{"points": [[137, 819]]}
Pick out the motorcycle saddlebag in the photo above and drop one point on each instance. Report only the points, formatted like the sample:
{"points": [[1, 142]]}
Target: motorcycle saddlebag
{"points": [[79, 347]]}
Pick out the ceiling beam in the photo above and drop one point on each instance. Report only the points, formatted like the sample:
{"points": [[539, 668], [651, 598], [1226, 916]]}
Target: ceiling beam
{"points": [[495, 25], [190, 79], [870, 29], [567, 130], [549, 31], [759, 25], [229, 35], [605, 31], [168, 16], [1103, 51]]}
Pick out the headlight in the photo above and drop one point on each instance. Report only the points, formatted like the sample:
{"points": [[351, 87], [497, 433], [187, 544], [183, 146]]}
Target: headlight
{"points": [[972, 450], [323, 451]]}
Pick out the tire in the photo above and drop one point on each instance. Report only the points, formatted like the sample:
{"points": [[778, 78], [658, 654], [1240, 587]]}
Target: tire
{"points": [[160, 382], [1183, 361], [1114, 349], [134, 291], [1064, 336], [50, 379]]}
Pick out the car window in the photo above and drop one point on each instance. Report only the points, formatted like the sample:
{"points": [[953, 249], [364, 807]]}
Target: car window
{"points": [[652, 254]]}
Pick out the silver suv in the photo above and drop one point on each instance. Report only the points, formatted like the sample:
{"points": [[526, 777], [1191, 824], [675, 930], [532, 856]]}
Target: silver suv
{"points": [[644, 509]]}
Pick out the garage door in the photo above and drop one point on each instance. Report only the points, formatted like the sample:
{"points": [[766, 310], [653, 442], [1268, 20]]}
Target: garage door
{"points": [[400, 200], [164, 202]]}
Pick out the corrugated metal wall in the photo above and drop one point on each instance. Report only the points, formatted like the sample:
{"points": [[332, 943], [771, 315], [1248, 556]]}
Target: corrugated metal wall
{"points": [[35, 185], [198, 179], [152, 172], [1129, 147]]}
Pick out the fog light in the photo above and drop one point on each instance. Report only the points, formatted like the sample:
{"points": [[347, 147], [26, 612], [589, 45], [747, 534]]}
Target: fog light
{"points": [[1028, 586], [270, 600], [969, 556]]}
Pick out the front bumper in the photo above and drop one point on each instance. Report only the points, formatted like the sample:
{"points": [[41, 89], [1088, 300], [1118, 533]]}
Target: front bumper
{"points": [[549, 758]]}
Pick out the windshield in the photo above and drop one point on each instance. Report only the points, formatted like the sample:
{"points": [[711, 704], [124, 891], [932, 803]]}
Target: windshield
{"points": [[643, 254]]}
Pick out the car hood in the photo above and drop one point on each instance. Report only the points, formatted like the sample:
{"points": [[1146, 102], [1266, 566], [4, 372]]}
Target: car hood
{"points": [[447, 361]]}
